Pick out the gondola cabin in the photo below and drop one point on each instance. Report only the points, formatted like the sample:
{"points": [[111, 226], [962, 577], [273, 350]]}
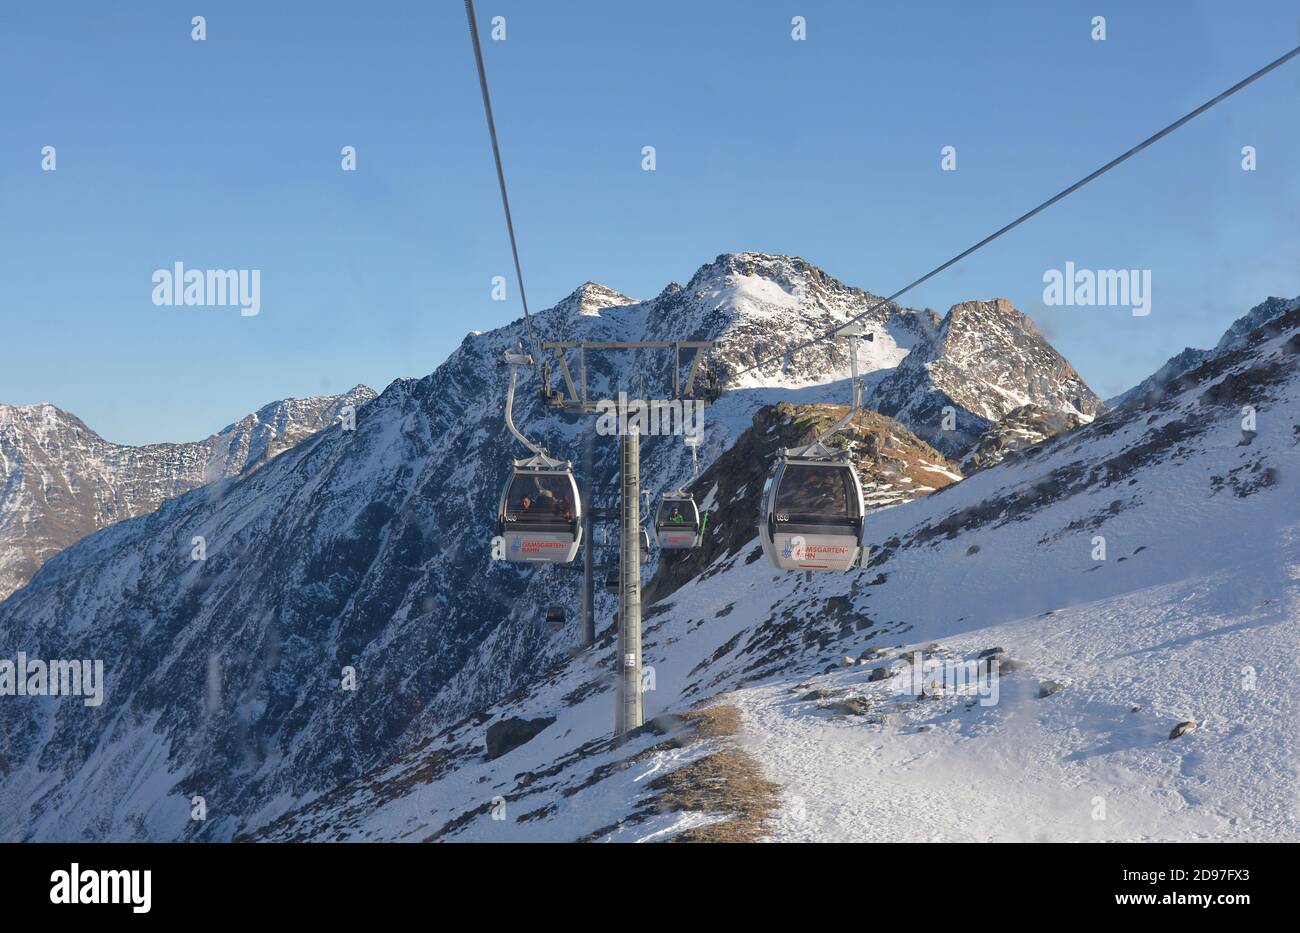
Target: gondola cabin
{"points": [[555, 618], [811, 516], [677, 523], [541, 516]]}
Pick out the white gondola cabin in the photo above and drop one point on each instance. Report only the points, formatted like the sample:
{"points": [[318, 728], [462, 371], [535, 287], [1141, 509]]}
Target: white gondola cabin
{"points": [[677, 523], [541, 514], [811, 512], [812, 515]]}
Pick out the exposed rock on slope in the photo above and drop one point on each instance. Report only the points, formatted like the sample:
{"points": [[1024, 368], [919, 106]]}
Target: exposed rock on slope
{"points": [[59, 480], [987, 360], [1017, 429]]}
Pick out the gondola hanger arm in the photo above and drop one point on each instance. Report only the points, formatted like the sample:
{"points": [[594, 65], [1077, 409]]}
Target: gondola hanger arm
{"points": [[540, 457], [818, 449]]}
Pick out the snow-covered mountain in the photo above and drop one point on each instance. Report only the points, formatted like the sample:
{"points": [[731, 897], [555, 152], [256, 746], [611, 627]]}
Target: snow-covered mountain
{"points": [[365, 556], [59, 480], [757, 306], [986, 360], [1136, 580]]}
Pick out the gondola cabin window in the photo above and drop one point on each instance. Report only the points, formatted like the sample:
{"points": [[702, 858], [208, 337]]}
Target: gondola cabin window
{"points": [[539, 498], [677, 514], [815, 492]]}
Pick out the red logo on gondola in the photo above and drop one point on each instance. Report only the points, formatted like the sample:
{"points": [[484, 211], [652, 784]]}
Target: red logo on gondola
{"points": [[536, 546], [812, 550]]}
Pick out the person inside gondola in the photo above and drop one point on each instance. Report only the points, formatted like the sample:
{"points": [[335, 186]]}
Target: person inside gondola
{"points": [[676, 517], [541, 499]]}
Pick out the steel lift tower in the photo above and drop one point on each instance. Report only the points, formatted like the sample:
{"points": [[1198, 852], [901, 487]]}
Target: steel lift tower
{"points": [[629, 712]]}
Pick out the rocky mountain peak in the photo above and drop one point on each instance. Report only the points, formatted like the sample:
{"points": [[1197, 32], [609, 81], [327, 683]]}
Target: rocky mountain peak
{"points": [[36, 415], [969, 315], [987, 360], [590, 298], [972, 326], [760, 307], [768, 265]]}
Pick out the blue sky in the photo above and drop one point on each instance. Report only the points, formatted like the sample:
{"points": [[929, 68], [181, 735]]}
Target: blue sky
{"points": [[225, 154]]}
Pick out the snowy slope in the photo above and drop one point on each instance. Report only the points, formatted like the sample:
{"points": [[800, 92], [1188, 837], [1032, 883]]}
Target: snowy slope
{"points": [[1191, 615]]}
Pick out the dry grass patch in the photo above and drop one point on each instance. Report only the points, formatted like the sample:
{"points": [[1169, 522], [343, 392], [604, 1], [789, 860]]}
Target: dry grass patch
{"points": [[713, 722], [727, 781]]}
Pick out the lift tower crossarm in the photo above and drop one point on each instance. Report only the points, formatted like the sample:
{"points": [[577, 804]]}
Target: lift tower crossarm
{"points": [[574, 396]]}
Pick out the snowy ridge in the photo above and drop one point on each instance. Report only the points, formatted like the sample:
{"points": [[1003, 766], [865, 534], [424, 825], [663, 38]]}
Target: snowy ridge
{"points": [[1155, 385]]}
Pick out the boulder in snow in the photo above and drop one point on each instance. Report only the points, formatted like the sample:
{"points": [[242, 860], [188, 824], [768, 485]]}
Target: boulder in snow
{"points": [[508, 734]]}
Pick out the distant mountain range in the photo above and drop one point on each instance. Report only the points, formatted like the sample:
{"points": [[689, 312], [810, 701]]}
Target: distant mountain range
{"points": [[59, 480]]}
